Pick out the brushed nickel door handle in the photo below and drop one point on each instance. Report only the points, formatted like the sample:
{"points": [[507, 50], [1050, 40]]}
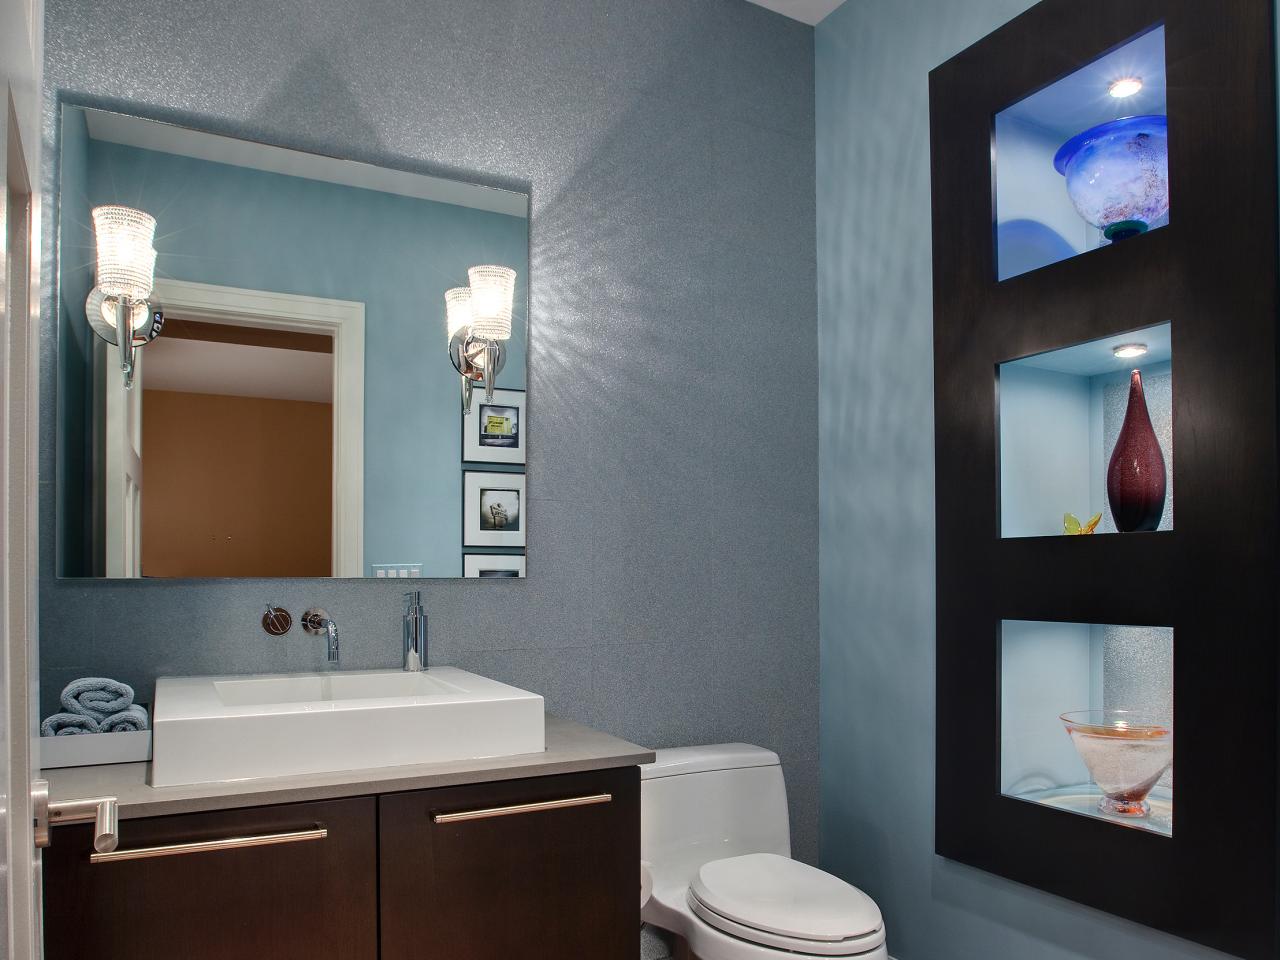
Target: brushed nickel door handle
{"points": [[487, 813], [209, 846], [103, 811]]}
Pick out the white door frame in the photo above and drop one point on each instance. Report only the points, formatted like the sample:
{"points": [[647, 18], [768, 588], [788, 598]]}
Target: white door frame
{"points": [[344, 321], [21, 101]]}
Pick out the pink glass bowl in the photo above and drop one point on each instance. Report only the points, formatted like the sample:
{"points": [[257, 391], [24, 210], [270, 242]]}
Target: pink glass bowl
{"points": [[1126, 753]]}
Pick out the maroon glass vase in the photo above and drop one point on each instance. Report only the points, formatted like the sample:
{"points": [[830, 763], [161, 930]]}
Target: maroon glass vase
{"points": [[1135, 475]]}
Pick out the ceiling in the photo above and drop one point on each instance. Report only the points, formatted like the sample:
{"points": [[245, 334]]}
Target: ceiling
{"points": [[806, 11], [237, 370]]}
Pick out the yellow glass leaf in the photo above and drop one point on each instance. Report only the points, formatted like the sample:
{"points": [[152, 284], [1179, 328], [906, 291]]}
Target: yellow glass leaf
{"points": [[1072, 526]]}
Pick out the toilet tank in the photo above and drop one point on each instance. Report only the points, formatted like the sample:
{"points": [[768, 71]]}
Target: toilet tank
{"points": [[706, 803]]}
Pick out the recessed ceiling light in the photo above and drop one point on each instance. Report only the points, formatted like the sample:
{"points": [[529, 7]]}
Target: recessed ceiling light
{"points": [[1127, 351], [1125, 87]]}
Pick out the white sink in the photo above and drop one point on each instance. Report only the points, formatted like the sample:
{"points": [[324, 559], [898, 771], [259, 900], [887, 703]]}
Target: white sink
{"points": [[210, 729]]}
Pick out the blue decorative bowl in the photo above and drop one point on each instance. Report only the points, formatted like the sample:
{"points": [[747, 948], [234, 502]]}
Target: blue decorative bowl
{"points": [[1118, 174]]}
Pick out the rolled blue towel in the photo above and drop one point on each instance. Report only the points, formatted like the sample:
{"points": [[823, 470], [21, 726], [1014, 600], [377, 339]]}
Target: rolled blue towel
{"points": [[96, 697], [131, 719], [65, 724]]}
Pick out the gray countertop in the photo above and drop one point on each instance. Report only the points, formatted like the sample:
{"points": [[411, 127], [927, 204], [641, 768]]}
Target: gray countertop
{"points": [[571, 748]]}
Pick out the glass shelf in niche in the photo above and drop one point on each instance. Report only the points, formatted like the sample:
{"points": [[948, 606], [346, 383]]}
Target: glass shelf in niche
{"points": [[1086, 437], [1086, 720], [1084, 162]]}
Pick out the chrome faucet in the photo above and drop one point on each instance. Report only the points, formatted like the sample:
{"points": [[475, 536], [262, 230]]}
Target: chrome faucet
{"points": [[415, 632], [316, 621]]}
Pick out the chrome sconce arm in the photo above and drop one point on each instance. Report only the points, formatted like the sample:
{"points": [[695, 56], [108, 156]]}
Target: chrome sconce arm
{"points": [[478, 361], [126, 324]]}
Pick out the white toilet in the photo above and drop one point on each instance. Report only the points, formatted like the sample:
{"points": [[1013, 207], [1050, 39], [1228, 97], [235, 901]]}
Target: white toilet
{"points": [[716, 843]]}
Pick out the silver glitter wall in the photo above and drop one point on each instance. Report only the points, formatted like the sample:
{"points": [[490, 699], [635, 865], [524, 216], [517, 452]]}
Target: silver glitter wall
{"points": [[669, 148], [1137, 672], [1137, 669]]}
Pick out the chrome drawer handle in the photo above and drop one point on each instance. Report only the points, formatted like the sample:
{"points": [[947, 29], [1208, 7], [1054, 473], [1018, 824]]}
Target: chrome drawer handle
{"points": [[490, 812], [208, 846]]}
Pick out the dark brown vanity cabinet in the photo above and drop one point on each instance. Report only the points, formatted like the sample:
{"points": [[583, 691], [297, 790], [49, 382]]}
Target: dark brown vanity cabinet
{"points": [[537, 869], [297, 896], [545, 867]]}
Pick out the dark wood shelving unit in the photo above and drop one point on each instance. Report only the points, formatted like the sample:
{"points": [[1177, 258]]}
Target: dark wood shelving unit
{"points": [[1212, 274]]}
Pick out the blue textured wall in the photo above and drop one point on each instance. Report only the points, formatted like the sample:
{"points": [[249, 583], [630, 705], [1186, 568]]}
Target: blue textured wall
{"points": [[668, 145], [397, 255], [1043, 473], [876, 505]]}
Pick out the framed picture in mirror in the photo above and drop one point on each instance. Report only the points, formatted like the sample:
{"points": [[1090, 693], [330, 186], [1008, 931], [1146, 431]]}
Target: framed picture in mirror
{"points": [[493, 431], [492, 566], [494, 509]]}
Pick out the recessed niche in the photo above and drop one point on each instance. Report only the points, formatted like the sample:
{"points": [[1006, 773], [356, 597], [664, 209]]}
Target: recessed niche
{"points": [[1083, 163], [1111, 758], [1073, 441]]}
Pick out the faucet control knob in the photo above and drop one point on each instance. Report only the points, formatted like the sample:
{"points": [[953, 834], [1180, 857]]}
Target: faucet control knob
{"points": [[276, 621]]}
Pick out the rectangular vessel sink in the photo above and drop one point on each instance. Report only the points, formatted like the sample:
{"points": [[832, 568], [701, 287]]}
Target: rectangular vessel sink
{"points": [[210, 729]]}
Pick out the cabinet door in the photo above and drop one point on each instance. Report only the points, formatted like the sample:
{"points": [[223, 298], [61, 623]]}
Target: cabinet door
{"points": [[296, 900], [516, 878]]}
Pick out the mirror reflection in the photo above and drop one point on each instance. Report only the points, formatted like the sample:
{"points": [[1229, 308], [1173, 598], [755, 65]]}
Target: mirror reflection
{"points": [[278, 364]]}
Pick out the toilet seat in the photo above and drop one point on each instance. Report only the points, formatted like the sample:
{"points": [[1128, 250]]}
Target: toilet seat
{"points": [[851, 948], [780, 903]]}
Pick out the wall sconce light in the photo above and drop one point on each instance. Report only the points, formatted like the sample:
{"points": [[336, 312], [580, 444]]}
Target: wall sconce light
{"points": [[119, 307], [478, 324]]}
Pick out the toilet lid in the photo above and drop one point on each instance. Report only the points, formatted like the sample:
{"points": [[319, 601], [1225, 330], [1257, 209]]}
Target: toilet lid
{"points": [[780, 895]]}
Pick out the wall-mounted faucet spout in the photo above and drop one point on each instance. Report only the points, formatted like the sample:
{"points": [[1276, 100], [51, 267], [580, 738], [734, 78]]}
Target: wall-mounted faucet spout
{"points": [[316, 621]]}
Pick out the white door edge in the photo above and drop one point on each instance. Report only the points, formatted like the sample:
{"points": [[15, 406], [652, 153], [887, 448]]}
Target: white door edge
{"points": [[21, 99]]}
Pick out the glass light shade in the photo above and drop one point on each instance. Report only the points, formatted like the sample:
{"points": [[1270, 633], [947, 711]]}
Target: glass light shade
{"points": [[492, 292], [457, 310], [1118, 174], [126, 258]]}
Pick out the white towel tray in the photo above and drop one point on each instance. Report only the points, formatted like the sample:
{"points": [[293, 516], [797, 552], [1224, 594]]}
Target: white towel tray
{"points": [[91, 749]]}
